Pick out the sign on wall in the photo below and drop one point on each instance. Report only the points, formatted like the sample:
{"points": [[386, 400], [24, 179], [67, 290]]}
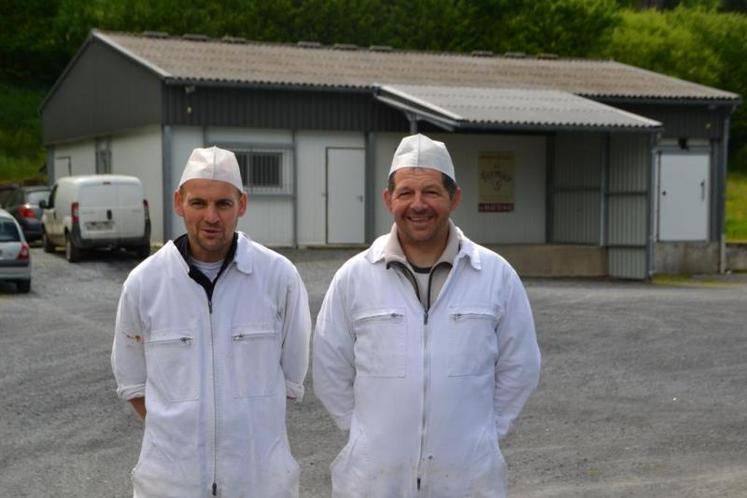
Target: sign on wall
{"points": [[496, 182]]}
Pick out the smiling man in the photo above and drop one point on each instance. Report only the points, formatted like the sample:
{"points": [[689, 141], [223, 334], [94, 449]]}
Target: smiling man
{"points": [[425, 348], [211, 337]]}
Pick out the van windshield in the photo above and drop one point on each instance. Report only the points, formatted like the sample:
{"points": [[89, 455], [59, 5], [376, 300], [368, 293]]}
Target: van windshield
{"points": [[9, 231]]}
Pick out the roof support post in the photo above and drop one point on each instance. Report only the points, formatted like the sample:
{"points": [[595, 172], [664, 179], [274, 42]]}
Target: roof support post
{"points": [[413, 122]]}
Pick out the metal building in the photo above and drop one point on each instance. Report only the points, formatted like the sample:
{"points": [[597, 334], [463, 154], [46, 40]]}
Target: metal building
{"points": [[567, 166]]}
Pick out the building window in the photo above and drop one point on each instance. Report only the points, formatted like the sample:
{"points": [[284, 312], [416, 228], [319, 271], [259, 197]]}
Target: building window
{"points": [[264, 171], [103, 156]]}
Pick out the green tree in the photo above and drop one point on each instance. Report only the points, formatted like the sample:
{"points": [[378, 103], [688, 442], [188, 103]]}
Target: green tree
{"points": [[664, 43], [29, 50]]}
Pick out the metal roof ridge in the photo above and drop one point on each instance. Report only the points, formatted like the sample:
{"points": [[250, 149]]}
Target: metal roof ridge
{"points": [[310, 44], [104, 37]]}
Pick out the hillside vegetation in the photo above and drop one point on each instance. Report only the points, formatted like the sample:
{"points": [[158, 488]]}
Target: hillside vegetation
{"points": [[736, 208]]}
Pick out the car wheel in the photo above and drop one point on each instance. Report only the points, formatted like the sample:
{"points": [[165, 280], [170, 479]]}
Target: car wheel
{"points": [[46, 243], [24, 286], [72, 252]]}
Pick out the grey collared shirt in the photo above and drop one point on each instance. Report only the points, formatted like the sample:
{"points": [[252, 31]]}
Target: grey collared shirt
{"points": [[426, 282]]}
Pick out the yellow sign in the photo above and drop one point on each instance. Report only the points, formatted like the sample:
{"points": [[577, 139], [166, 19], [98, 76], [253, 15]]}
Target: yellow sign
{"points": [[496, 182]]}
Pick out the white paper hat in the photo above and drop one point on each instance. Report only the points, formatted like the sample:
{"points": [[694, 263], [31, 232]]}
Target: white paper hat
{"points": [[419, 151], [213, 163]]}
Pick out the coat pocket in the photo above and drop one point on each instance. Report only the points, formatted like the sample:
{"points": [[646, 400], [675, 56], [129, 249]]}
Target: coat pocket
{"points": [[348, 469], [472, 338], [487, 469], [173, 364], [156, 474], [280, 472], [380, 343], [255, 359]]}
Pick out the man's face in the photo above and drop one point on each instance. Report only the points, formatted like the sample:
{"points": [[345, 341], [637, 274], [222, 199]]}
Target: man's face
{"points": [[421, 206], [211, 210]]}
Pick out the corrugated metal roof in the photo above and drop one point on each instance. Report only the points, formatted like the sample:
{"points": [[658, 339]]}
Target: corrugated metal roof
{"points": [[284, 64], [497, 107]]}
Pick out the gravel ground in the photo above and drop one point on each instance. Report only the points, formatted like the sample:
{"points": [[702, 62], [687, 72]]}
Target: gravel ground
{"points": [[642, 391]]}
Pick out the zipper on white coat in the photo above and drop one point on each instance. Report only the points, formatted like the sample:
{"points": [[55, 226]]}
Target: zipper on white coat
{"points": [[215, 404], [426, 366], [423, 422]]}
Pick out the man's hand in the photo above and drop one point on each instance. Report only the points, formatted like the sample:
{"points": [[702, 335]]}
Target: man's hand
{"points": [[139, 405]]}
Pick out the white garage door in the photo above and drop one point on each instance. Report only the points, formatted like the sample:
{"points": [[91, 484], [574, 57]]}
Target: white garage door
{"points": [[684, 186]]}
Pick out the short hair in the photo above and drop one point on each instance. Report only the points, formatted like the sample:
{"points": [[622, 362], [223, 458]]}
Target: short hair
{"points": [[181, 190], [448, 183]]}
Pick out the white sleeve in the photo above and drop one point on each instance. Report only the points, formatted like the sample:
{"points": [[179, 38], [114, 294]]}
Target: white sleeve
{"points": [[128, 352], [334, 362], [518, 366], [296, 335]]}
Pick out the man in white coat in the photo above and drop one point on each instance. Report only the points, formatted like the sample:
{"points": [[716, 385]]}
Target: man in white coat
{"points": [[425, 348], [211, 337]]}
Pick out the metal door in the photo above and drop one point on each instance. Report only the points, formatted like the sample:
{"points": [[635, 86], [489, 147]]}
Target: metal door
{"points": [[345, 198], [683, 196]]}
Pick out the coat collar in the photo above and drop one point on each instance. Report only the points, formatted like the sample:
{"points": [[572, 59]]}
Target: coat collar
{"points": [[468, 249], [242, 251]]}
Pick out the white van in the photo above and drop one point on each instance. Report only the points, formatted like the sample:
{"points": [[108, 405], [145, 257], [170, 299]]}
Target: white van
{"points": [[96, 211]]}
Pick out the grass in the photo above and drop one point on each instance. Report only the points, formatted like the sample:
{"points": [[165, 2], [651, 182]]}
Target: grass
{"points": [[690, 281], [22, 170], [736, 207]]}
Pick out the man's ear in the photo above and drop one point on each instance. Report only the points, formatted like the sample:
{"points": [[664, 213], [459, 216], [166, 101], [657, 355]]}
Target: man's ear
{"points": [[456, 199], [243, 202], [178, 203], [388, 199]]}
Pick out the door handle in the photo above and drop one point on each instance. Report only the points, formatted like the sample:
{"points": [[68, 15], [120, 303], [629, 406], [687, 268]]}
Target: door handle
{"points": [[702, 190], [359, 197], [108, 214]]}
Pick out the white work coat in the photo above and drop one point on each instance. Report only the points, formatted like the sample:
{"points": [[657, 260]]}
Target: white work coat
{"points": [[426, 395], [215, 382]]}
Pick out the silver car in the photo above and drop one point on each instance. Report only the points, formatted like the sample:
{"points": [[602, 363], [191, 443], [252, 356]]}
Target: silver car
{"points": [[15, 258]]}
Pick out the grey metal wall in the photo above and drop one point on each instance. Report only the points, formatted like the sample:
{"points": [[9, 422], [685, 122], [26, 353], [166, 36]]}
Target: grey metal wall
{"points": [[101, 92], [628, 211], [575, 188], [278, 108], [683, 121]]}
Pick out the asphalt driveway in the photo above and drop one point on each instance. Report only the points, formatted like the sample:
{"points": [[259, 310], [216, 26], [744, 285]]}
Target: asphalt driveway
{"points": [[643, 390]]}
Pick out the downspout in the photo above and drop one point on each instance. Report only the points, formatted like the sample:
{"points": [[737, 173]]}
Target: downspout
{"points": [[295, 189], [550, 189], [369, 190], [50, 166], [722, 195], [652, 140], [604, 191], [166, 180]]}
